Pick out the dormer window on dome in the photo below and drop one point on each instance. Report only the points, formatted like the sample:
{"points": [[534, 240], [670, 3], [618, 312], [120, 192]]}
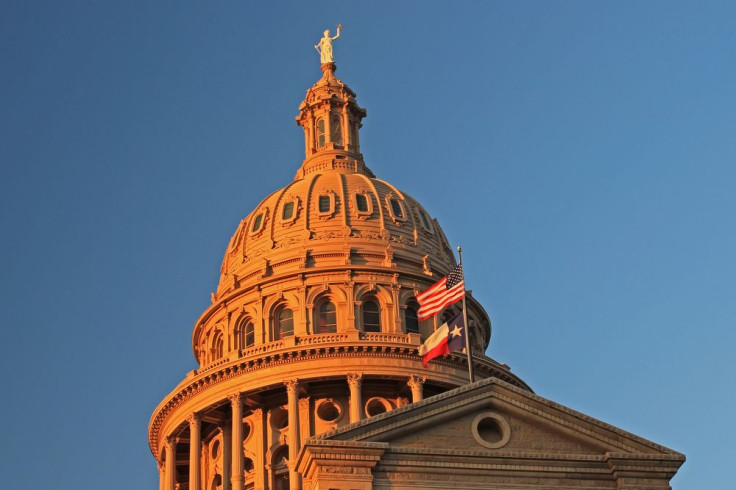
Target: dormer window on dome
{"points": [[363, 204], [425, 221], [396, 209], [258, 222], [326, 204], [288, 211]]}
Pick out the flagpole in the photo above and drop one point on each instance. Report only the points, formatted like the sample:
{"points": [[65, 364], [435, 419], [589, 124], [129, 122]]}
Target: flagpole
{"points": [[465, 321]]}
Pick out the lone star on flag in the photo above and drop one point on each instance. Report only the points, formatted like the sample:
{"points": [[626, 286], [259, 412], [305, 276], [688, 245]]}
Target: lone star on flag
{"points": [[456, 331]]}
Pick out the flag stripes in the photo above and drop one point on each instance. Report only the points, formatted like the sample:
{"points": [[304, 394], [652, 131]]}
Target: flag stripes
{"points": [[445, 292]]}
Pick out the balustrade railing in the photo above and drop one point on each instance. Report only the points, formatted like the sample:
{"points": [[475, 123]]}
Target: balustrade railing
{"points": [[309, 340]]}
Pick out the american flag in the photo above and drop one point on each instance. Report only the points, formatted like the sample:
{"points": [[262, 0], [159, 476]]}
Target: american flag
{"points": [[447, 291]]}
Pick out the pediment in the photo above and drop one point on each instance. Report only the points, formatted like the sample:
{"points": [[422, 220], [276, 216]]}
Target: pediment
{"points": [[494, 417]]}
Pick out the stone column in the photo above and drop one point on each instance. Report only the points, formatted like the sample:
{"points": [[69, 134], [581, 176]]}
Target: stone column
{"points": [[416, 383], [259, 435], [227, 445], [236, 468], [161, 477], [292, 391], [355, 382], [170, 463], [195, 439]]}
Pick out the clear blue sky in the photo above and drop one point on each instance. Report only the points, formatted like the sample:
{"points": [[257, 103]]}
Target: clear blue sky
{"points": [[582, 153]]}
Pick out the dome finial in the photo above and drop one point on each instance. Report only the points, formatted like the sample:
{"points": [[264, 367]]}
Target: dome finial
{"points": [[324, 47]]}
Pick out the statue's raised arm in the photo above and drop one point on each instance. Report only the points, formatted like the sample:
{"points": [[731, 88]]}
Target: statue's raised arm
{"points": [[324, 47], [339, 26]]}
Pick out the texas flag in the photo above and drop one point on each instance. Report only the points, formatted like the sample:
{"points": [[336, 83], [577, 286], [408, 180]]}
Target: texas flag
{"points": [[450, 337]]}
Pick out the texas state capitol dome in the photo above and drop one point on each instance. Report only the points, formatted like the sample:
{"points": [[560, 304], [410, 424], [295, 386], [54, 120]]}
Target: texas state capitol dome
{"points": [[314, 322]]}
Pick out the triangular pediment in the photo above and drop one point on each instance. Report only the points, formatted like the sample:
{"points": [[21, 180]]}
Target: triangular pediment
{"points": [[492, 415], [487, 434]]}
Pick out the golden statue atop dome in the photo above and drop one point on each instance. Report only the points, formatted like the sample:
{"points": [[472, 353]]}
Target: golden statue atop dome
{"points": [[324, 47]]}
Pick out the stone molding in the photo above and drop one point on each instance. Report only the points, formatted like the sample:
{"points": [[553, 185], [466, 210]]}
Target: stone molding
{"points": [[513, 396], [191, 387]]}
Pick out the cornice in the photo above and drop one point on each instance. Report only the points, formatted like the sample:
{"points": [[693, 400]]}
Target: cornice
{"points": [[526, 401], [268, 356]]}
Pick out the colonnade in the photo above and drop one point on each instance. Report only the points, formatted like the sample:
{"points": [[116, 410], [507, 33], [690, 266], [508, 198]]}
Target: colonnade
{"points": [[233, 437]]}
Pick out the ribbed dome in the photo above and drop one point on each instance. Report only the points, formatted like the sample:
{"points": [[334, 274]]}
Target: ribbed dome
{"points": [[335, 218], [335, 213]]}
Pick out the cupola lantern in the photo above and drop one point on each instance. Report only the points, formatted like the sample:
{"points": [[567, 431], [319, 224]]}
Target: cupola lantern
{"points": [[331, 119]]}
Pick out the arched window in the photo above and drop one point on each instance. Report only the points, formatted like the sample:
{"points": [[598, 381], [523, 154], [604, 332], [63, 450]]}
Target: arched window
{"points": [[250, 334], [244, 334], [218, 345], [371, 316], [326, 318], [336, 128], [411, 319], [321, 133], [283, 324]]}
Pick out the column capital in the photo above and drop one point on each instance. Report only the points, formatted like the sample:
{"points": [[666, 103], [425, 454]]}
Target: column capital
{"points": [[291, 385], [194, 419], [257, 413], [171, 440], [235, 398], [355, 379], [416, 381], [161, 467]]}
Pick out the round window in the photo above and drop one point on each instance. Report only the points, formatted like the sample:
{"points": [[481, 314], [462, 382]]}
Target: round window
{"points": [[329, 411], [491, 430], [376, 406]]}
